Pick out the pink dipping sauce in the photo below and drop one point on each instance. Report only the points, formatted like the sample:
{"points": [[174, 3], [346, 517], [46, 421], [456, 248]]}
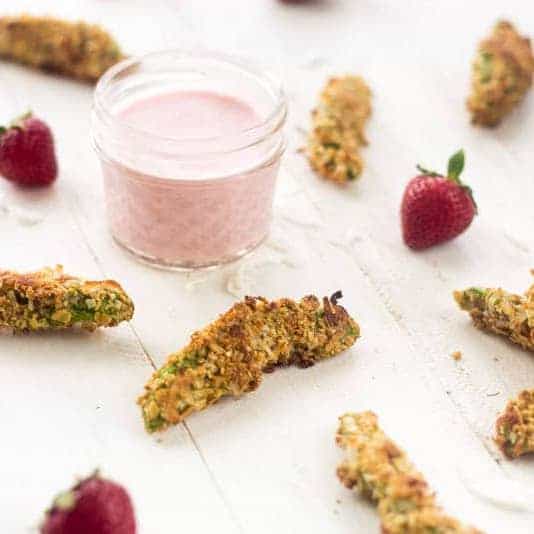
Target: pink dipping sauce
{"points": [[199, 208]]}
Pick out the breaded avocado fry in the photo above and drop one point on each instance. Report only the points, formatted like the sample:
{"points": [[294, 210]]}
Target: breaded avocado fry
{"points": [[500, 312], [382, 472], [76, 49], [51, 300], [338, 129], [515, 427], [502, 74], [229, 356]]}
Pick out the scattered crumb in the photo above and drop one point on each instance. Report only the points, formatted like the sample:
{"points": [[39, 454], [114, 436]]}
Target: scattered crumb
{"points": [[532, 272], [493, 394], [456, 355]]}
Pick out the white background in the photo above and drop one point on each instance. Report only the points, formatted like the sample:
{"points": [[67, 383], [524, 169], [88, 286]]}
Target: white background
{"points": [[266, 463]]}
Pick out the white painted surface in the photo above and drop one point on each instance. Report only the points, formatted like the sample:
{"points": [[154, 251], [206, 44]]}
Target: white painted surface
{"points": [[266, 463]]}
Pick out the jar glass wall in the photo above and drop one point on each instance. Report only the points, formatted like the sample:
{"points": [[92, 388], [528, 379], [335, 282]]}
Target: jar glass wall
{"points": [[190, 145]]}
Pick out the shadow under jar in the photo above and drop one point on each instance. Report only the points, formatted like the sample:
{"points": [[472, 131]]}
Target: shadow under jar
{"points": [[190, 146]]}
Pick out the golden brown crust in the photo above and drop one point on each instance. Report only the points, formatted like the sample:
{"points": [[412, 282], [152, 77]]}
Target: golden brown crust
{"points": [[76, 49], [500, 312], [502, 74], [515, 427], [338, 129], [382, 472], [229, 356], [49, 299]]}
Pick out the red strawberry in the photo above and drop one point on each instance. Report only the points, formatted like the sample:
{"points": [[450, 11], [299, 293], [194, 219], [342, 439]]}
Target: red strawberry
{"points": [[93, 506], [27, 154], [437, 208]]}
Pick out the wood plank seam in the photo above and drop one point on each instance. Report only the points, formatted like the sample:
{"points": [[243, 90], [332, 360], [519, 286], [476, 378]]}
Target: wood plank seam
{"points": [[388, 303], [218, 488]]}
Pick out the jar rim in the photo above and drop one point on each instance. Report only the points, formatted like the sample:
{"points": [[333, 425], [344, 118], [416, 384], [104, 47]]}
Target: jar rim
{"points": [[245, 138]]}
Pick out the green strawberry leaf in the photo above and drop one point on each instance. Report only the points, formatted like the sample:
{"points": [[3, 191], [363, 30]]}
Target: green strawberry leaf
{"points": [[427, 172], [456, 165]]}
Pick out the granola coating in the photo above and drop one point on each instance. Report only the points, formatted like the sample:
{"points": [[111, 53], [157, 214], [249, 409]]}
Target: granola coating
{"points": [[515, 427], [502, 74], [228, 357], [500, 312], [338, 129], [51, 300], [382, 472], [76, 49]]}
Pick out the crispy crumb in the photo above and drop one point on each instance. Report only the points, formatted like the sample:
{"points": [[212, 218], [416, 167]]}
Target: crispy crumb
{"points": [[52, 300], [381, 471], [338, 129], [500, 312], [515, 427], [456, 355], [229, 356], [502, 74], [76, 49]]}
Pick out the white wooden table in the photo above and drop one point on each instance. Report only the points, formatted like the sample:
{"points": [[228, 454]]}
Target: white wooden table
{"points": [[266, 463]]}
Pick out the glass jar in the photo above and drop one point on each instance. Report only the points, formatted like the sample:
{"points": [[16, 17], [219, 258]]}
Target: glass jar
{"points": [[190, 146]]}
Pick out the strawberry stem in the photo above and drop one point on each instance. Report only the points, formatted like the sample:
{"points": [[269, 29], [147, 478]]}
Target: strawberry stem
{"points": [[456, 166], [454, 170], [427, 172]]}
